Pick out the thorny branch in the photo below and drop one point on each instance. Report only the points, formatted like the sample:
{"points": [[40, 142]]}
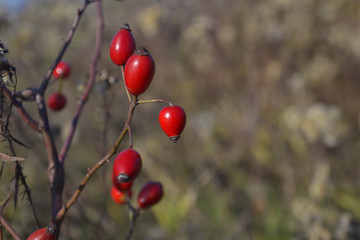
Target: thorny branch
{"points": [[9, 80], [55, 167]]}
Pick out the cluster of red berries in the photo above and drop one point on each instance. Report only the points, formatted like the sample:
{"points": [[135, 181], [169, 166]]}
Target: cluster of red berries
{"points": [[57, 100], [138, 74], [126, 168], [139, 69]]}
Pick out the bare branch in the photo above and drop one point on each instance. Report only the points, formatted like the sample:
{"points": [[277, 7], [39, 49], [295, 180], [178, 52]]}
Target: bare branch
{"points": [[89, 85], [23, 113], [99, 164], [10, 229], [67, 42]]}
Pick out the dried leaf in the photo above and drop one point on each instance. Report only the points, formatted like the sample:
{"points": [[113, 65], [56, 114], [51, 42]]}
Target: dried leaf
{"points": [[7, 158]]}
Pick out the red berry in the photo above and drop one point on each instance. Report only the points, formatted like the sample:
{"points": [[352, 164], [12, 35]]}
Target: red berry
{"points": [[139, 71], [150, 194], [127, 165], [62, 70], [122, 186], [172, 121], [46, 233], [119, 196], [122, 45], [56, 101]]}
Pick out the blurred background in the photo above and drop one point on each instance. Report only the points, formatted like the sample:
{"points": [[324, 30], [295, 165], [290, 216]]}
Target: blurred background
{"points": [[271, 90]]}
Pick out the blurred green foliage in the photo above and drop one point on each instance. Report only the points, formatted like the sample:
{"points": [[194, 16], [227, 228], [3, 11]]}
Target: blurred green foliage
{"points": [[271, 92]]}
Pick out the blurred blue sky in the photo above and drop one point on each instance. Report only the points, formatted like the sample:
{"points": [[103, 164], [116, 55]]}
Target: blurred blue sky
{"points": [[12, 5]]}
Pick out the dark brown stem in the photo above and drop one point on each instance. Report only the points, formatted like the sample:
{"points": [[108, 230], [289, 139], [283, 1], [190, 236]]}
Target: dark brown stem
{"points": [[10, 229], [67, 42], [26, 94], [99, 164], [55, 170], [134, 214], [89, 85], [132, 225]]}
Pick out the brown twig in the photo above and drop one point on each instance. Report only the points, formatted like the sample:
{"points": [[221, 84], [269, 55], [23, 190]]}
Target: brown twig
{"points": [[154, 101], [18, 105], [10, 229], [89, 85], [130, 138], [67, 42], [123, 77], [99, 164], [3, 222]]}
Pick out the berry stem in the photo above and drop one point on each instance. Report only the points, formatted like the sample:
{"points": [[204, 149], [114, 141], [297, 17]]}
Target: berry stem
{"points": [[154, 101], [134, 214], [60, 84], [130, 138], [123, 77]]}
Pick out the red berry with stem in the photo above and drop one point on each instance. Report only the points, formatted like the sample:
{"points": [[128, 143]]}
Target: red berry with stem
{"points": [[172, 120], [122, 45], [56, 101], [46, 233], [119, 196], [139, 71], [150, 194], [127, 165], [62, 70]]}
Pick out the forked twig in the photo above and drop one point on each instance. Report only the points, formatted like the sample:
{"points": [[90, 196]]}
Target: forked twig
{"points": [[89, 85]]}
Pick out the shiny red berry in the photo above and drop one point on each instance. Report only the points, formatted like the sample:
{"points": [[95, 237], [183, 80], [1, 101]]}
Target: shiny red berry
{"points": [[172, 120], [150, 194], [46, 233], [139, 71], [122, 45], [127, 165], [119, 196], [122, 186], [56, 101], [62, 70]]}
